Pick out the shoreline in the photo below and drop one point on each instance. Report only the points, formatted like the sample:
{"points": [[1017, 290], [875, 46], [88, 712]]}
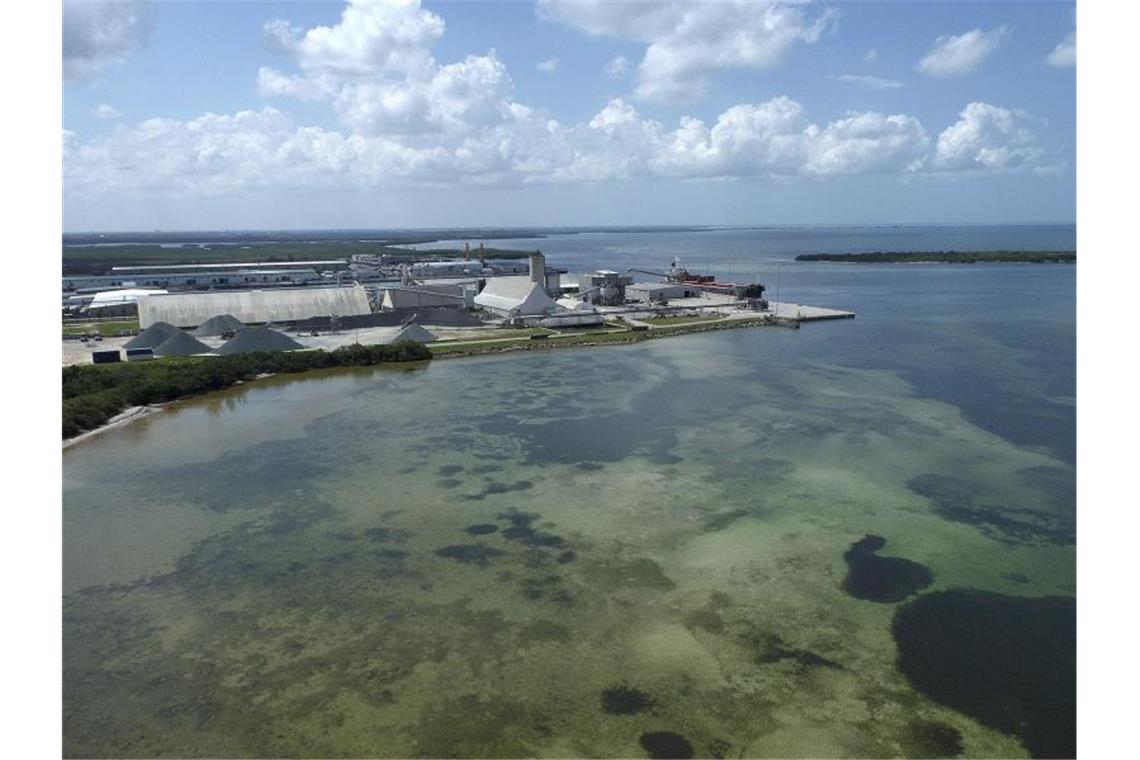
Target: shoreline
{"points": [[135, 413], [121, 419], [484, 348]]}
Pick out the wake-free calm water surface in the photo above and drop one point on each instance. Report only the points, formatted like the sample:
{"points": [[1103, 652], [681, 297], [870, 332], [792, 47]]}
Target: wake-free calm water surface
{"points": [[735, 544]]}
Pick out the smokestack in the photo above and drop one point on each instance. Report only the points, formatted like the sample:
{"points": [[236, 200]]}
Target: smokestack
{"points": [[538, 268]]}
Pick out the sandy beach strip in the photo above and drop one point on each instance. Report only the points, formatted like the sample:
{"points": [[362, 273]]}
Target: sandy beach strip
{"points": [[122, 418]]}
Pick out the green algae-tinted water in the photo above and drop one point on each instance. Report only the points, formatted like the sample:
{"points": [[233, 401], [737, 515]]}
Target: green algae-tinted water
{"points": [[624, 551]]}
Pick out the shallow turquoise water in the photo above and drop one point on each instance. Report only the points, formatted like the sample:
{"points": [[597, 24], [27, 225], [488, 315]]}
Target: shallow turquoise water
{"points": [[290, 568]]}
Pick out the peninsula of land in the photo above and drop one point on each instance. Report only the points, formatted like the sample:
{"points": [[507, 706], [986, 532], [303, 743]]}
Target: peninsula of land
{"points": [[946, 257]]}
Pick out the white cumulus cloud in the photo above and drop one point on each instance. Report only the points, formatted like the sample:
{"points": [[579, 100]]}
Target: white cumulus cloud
{"points": [[371, 37], [1065, 54], [952, 55], [548, 66], [776, 139], [616, 67], [687, 42], [105, 111], [987, 137], [376, 69], [100, 33], [411, 120], [218, 154]]}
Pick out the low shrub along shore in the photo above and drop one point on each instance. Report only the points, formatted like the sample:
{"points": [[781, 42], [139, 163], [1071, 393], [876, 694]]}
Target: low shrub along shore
{"points": [[93, 394]]}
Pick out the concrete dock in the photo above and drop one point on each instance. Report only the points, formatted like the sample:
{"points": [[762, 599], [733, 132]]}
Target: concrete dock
{"points": [[807, 313]]}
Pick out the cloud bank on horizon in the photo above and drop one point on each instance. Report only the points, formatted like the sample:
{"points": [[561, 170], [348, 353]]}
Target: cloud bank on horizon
{"points": [[398, 116]]}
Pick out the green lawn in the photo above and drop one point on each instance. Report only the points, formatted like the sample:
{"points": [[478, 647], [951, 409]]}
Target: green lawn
{"points": [[106, 329], [681, 320], [498, 333]]}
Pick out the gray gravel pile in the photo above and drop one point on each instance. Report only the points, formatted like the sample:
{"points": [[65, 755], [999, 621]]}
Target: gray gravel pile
{"points": [[182, 344], [153, 336], [258, 339], [219, 325], [413, 332]]}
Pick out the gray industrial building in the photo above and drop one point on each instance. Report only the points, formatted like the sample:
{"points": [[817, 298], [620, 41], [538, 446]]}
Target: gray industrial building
{"points": [[414, 296], [651, 292], [605, 287], [445, 268]]}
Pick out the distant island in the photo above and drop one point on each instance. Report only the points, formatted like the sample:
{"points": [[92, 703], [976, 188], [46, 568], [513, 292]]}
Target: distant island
{"points": [[947, 257]]}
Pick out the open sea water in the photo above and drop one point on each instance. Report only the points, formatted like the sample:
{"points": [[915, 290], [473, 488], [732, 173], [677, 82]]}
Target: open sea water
{"points": [[856, 539]]}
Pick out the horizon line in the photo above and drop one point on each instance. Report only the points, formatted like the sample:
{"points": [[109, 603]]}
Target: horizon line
{"points": [[510, 227]]}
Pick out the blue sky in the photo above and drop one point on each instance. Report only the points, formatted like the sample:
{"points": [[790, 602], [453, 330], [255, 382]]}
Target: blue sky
{"points": [[294, 115]]}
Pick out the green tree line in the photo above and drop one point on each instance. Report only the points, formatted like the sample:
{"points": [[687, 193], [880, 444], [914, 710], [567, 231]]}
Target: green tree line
{"points": [[94, 393]]}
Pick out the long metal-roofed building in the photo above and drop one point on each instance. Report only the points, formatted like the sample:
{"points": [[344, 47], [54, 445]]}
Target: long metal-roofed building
{"points": [[208, 277], [444, 268], [254, 306], [649, 292], [313, 264]]}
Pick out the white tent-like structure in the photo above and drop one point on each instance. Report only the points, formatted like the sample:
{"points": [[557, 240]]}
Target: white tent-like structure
{"points": [[111, 299], [514, 295]]}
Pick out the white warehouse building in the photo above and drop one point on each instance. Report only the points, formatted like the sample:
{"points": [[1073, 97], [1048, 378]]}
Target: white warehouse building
{"points": [[254, 306]]}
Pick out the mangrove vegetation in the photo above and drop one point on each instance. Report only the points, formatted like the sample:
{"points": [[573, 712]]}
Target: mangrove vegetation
{"points": [[94, 393]]}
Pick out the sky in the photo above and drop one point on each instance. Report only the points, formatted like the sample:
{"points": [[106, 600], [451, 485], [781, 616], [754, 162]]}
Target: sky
{"points": [[266, 115]]}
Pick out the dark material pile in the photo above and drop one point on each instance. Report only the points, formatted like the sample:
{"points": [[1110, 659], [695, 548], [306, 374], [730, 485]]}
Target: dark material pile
{"points": [[1010, 662], [254, 339], [153, 336], [219, 325], [182, 344], [442, 316]]}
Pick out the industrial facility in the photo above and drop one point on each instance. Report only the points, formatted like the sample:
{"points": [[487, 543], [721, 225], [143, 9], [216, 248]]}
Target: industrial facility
{"points": [[308, 304]]}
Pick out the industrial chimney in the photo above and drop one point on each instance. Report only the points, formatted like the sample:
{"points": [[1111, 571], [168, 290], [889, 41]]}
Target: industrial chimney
{"points": [[538, 268]]}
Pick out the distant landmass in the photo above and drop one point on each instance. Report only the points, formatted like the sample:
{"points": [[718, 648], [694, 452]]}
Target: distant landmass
{"points": [[946, 257], [381, 236], [101, 259]]}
